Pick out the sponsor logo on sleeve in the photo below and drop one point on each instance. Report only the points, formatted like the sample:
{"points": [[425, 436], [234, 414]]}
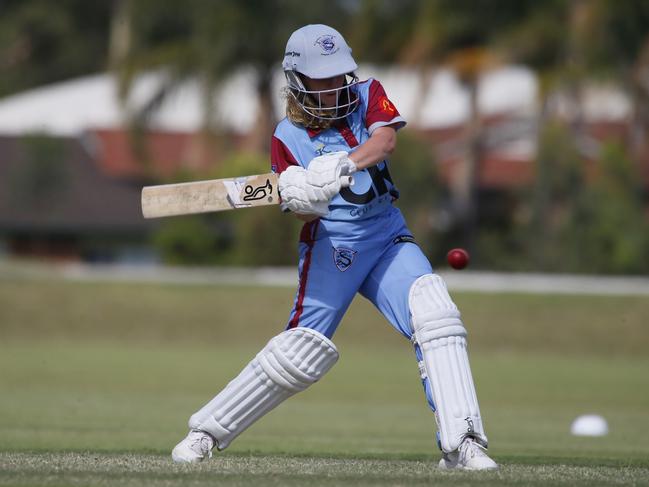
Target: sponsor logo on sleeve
{"points": [[386, 106]]}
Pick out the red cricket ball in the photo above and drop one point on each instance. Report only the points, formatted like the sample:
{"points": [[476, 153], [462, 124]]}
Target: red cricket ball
{"points": [[457, 258]]}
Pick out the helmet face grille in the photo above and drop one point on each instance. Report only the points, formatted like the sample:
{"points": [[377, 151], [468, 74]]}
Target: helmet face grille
{"points": [[311, 100]]}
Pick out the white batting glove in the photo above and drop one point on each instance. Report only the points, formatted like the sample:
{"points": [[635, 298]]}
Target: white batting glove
{"points": [[327, 170], [299, 196]]}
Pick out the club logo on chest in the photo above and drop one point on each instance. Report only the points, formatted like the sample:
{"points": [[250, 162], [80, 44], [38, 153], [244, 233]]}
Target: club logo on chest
{"points": [[343, 258]]}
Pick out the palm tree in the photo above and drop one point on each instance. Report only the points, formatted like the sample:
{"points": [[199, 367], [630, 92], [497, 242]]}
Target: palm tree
{"points": [[459, 34], [209, 41], [567, 43], [618, 49]]}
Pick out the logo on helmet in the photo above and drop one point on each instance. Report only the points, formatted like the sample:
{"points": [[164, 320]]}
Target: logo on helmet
{"points": [[328, 44], [343, 258]]}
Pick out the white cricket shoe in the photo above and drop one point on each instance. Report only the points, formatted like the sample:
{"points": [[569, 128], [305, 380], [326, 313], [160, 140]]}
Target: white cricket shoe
{"points": [[469, 456], [194, 448]]}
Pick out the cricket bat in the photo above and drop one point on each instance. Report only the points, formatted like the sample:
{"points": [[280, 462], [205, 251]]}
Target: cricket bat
{"points": [[213, 195]]}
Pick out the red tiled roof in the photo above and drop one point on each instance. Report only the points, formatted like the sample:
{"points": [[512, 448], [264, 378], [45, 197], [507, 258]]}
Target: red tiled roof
{"points": [[494, 172], [164, 153], [170, 153]]}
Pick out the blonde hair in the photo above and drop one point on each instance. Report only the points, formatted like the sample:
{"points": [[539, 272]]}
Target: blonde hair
{"points": [[296, 114]]}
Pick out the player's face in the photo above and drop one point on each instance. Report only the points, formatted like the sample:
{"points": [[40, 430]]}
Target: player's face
{"points": [[327, 99]]}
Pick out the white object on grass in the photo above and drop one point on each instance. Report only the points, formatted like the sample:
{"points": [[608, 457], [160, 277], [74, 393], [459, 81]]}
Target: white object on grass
{"points": [[589, 425]]}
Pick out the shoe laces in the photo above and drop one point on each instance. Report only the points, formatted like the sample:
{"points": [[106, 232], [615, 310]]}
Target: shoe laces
{"points": [[201, 442], [471, 449]]}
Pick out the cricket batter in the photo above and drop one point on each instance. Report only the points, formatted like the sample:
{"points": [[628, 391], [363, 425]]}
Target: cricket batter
{"points": [[353, 240]]}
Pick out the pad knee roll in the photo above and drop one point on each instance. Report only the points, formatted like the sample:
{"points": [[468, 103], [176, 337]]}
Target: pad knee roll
{"points": [[441, 336], [288, 364]]}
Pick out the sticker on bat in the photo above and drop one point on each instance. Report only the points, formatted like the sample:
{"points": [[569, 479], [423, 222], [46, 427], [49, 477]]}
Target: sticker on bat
{"points": [[258, 193]]}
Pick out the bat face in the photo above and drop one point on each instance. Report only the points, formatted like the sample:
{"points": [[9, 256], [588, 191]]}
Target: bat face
{"points": [[208, 196]]}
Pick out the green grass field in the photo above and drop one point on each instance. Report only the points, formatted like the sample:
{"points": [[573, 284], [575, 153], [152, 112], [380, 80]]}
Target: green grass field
{"points": [[97, 382]]}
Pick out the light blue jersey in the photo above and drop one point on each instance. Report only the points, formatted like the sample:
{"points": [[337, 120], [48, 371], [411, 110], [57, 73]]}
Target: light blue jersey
{"points": [[363, 244], [373, 190]]}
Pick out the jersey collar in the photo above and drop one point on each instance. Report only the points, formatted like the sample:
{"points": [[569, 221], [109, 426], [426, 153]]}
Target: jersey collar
{"points": [[313, 132], [338, 125]]}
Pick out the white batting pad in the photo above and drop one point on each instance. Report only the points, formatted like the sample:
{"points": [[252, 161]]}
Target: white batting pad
{"points": [[289, 363], [441, 336]]}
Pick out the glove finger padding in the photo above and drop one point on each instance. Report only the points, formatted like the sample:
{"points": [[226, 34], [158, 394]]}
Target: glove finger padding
{"points": [[299, 196], [296, 176], [326, 171], [295, 200], [339, 161]]}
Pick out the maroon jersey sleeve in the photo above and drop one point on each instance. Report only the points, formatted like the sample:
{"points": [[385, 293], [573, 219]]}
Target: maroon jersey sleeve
{"points": [[380, 110], [280, 156]]}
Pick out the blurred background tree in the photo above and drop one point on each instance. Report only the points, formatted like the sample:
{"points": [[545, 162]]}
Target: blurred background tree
{"points": [[41, 42], [255, 237], [209, 41]]}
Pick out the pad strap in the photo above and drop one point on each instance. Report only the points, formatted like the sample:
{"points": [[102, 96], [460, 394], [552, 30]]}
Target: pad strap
{"points": [[302, 197]]}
